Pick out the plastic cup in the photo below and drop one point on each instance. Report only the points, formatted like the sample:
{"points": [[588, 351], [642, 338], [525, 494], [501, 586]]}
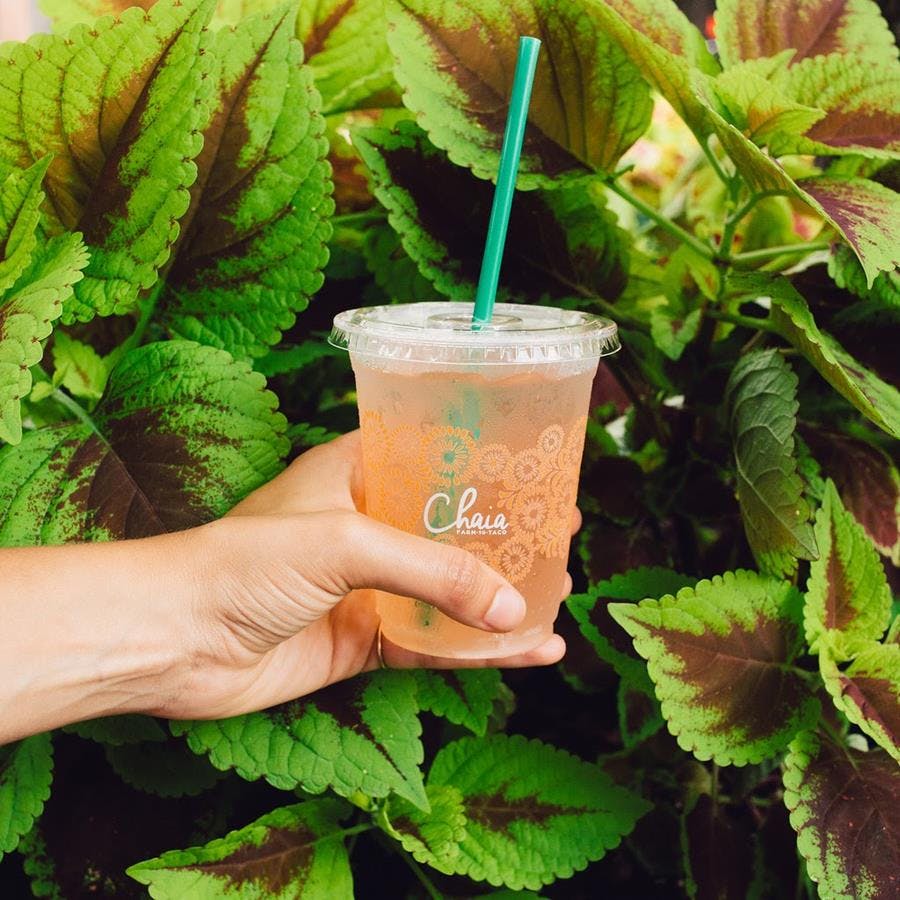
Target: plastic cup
{"points": [[474, 438]]}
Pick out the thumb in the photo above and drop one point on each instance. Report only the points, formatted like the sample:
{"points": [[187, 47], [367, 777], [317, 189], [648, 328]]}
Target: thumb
{"points": [[370, 554]]}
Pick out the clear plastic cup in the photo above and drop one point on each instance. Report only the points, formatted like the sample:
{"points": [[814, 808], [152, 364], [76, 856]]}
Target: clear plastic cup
{"points": [[474, 438]]}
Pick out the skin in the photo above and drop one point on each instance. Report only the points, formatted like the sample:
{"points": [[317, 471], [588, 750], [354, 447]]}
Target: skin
{"points": [[262, 606]]}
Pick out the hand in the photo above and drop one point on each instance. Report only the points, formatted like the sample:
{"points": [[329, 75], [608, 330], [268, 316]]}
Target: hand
{"points": [[279, 611]]}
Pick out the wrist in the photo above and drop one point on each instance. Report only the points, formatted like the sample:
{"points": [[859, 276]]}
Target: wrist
{"points": [[92, 630]]}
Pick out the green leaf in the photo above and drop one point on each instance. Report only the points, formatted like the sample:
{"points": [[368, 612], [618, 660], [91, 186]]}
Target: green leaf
{"points": [[357, 735], [393, 269], [78, 367], [119, 730], [672, 329], [747, 29], [868, 482], [762, 411], [165, 769], [463, 696], [845, 808], [345, 44], [558, 241], [123, 141], [26, 769], [291, 359], [761, 108], [27, 313], [63, 14], [860, 106], [868, 690], [182, 434], [21, 197], [639, 714], [455, 65], [847, 272], [721, 656], [431, 837], [591, 612], [534, 813], [848, 599], [662, 22], [664, 64], [876, 399], [865, 212], [255, 234], [292, 853]]}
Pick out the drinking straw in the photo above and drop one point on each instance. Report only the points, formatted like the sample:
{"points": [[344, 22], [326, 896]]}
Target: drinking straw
{"points": [[529, 47]]}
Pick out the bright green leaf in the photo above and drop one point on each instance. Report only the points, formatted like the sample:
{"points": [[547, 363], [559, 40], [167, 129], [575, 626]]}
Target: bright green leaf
{"points": [[762, 411], [761, 108], [27, 313], [345, 44], [26, 769], [673, 329], [748, 29], [455, 64], [78, 367], [123, 140], [848, 599], [63, 14], [256, 232], [21, 197], [533, 813], [182, 434], [591, 611], [868, 690], [462, 696], [721, 656], [875, 398], [357, 735], [291, 359], [431, 837], [558, 241], [845, 808], [292, 853]]}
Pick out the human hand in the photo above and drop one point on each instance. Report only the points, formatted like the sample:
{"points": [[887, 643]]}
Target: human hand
{"points": [[279, 608]]}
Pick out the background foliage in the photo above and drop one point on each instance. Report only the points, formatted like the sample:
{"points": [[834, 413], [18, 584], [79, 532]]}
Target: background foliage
{"points": [[176, 184]]}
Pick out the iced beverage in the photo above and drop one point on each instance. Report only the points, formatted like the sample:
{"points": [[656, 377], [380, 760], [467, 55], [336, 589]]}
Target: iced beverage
{"points": [[475, 439]]}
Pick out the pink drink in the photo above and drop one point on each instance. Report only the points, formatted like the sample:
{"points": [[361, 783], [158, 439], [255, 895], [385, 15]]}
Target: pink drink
{"points": [[479, 453]]}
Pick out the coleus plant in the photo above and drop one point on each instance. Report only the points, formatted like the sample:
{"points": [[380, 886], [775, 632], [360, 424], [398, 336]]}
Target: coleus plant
{"points": [[177, 182]]}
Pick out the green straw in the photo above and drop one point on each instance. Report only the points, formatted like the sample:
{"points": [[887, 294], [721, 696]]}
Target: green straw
{"points": [[529, 47]]}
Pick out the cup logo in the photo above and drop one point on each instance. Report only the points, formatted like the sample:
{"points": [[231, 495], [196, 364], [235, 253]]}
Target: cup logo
{"points": [[476, 523], [509, 505]]}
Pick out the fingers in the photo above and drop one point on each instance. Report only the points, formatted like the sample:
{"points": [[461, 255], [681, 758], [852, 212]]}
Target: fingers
{"points": [[567, 587], [576, 519], [396, 657], [369, 554]]}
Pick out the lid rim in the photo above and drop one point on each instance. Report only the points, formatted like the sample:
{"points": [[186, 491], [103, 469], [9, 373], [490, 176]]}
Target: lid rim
{"points": [[411, 332]]}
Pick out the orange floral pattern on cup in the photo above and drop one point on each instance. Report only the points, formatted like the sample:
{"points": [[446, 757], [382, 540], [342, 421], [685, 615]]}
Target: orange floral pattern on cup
{"points": [[534, 487]]}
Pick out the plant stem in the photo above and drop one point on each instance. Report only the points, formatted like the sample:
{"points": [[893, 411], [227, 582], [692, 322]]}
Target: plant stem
{"points": [[346, 832], [746, 321], [424, 880], [74, 407], [148, 307], [363, 215], [666, 224], [715, 164], [765, 253]]}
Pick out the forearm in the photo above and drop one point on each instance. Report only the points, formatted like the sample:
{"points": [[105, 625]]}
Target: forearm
{"points": [[91, 630]]}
